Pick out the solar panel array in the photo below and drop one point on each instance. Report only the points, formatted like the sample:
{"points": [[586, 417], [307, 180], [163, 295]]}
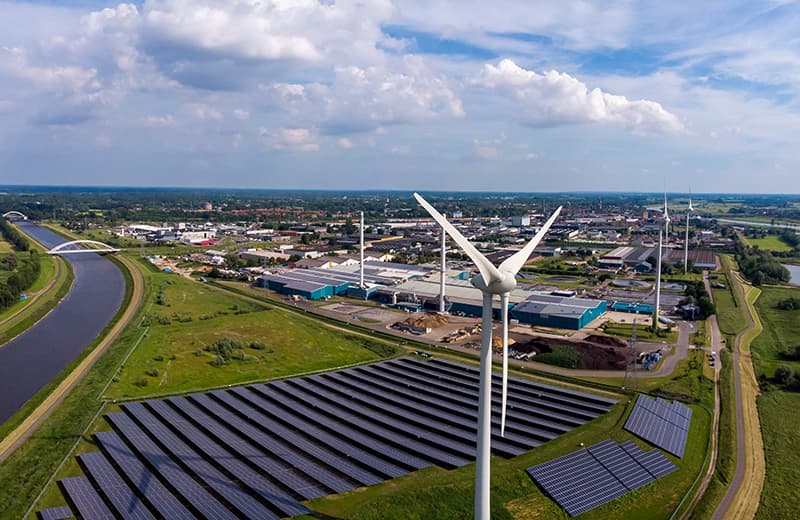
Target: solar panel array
{"points": [[662, 423], [259, 451], [588, 478]]}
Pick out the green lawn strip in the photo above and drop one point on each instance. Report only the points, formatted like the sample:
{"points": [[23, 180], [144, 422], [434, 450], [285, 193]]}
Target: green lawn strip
{"points": [[780, 423], [37, 310], [47, 271], [26, 471], [643, 332]]}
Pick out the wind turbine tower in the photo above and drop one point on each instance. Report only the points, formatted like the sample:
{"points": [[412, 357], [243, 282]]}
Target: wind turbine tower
{"points": [[361, 265], [491, 281], [686, 241], [444, 269], [661, 232]]}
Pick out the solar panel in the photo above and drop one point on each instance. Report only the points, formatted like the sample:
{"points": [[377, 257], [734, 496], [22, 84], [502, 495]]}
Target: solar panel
{"points": [[661, 423], [424, 429], [111, 485], [275, 498], [588, 478], [170, 472], [273, 462], [84, 499], [342, 428], [55, 513], [141, 478], [307, 444], [296, 421], [258, 451], [292, 452], [374, 424], [448, 396], [516, 436]]}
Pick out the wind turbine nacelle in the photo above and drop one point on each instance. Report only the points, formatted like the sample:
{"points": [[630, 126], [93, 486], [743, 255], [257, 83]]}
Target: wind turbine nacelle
{"points": [[507, 283]]}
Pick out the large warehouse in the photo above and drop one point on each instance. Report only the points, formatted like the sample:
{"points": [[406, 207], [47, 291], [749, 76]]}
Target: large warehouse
{"points": [[558, 312], [318, 283]]}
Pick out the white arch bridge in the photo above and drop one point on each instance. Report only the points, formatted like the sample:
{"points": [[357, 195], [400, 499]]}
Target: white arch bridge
{"points": [[68, 248], [15, 214]]}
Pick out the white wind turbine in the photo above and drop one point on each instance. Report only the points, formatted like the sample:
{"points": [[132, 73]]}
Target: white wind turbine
{"points": [[661, 233], [666, 220], [686, 241], [491, 281]]}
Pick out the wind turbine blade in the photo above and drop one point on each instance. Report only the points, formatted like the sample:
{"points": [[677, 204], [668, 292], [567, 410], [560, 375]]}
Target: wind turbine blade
{"points": [[504, 314], [515, 262], [488, 271]]}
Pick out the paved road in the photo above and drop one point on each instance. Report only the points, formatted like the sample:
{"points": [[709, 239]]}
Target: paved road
{"points": [[741, 441], [716, 346], [31, 360]]}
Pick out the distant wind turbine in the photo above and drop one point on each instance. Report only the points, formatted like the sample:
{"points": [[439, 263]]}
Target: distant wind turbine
{"points": [[661, 232], [686, 241], [666, 220], [491, 281]]}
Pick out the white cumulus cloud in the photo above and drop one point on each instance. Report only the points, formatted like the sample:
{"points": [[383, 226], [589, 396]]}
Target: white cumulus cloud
{"points": [[555, 98]]}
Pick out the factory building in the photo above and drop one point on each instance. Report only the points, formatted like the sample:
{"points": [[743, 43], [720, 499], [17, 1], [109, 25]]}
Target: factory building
{"points": [[558, 312], [318, 283]]}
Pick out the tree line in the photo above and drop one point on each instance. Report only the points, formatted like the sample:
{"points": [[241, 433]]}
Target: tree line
{"points": [[25, 271], [759, 266]]}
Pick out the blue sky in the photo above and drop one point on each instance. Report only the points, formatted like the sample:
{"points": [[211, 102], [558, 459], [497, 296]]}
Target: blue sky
{"points": [[381, 94]]}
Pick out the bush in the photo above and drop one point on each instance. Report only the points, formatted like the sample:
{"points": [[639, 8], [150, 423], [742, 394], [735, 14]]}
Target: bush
{"points": [[255, 345], [141, 382], [153, 372], [158, 358], [783, 374]]}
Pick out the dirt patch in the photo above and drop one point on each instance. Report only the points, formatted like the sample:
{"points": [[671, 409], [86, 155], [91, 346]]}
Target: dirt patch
{"points": [[606, 341], [428, 321], [591, 356]]}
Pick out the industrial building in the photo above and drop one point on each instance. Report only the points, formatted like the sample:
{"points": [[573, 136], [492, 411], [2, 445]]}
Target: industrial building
{"points": [[558, 312], [317, 283], [633, 256]]}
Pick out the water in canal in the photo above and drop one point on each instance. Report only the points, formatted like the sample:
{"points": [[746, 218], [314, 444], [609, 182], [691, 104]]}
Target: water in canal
{"points": [[32, 359]]}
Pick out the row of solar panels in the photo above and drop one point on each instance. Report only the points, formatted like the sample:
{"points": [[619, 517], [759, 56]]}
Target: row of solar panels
{"points": [[588, 478], [662, 423], [259, 451]]}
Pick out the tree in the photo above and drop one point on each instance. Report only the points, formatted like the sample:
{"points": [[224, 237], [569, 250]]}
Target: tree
{"points": [[784, 374]]}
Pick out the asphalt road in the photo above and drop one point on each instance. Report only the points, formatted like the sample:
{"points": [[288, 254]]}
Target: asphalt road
{"points": [[741, 448], [31, 360]]}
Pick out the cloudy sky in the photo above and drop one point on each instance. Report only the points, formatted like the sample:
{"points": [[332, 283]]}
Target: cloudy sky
{"points": [[402, 94]]}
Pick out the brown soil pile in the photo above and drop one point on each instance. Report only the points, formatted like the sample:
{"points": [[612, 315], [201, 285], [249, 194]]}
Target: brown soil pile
{"points": [[608, 341], [428, 321], [593, 356]]}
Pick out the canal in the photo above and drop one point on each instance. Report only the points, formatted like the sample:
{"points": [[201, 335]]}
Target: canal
{"points": [[31, 360]]}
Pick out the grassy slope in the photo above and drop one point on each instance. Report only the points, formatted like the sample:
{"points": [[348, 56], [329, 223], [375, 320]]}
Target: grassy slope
{"points": [[780, 423], [781, 497], [295, 343]]}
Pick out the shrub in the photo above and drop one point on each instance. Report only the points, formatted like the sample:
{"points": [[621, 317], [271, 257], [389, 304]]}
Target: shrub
{"points": [[153, 372], [141, 382]]}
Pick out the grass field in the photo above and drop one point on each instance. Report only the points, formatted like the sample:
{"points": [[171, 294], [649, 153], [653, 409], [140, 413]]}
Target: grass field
{"points": [[781, 331], [643, 332], [770, 243], [171, 358], [5, 247], [780, 498]]}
